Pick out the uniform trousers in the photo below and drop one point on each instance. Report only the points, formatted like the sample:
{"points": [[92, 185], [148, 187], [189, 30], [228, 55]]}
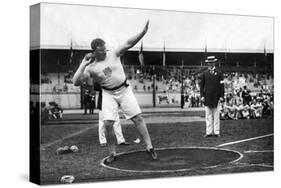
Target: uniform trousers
{"points": [[212, 116], [117, 129]]}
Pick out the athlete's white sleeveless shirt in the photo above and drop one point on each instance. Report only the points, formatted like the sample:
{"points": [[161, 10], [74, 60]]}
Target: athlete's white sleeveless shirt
{"points": [[108, 73]]}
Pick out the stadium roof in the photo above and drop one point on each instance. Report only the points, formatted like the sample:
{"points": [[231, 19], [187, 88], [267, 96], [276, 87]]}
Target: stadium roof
{"points": [[62, 24]]}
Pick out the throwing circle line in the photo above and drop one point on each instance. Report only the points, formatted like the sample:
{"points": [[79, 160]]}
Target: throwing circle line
{"points": [[244, 140], [178, 170]]}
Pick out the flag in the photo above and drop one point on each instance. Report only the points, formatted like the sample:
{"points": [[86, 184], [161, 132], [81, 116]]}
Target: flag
{"points": [[164, 56], [206, 49], [225, 53], [71, 54], [58, 64], [237, 62], [141, 58], [264, 51]]}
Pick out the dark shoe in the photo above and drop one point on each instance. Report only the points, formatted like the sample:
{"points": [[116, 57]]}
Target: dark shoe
{"points": [[217, 135], [207, 135], [152, 153], [124, 144], [110, 159]]}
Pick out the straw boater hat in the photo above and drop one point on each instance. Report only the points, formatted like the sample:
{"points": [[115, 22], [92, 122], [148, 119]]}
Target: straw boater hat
{"points": [[211, 59]]}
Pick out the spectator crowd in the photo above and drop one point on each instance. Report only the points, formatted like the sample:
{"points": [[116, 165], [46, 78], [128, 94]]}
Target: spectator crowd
{"points": [[242, 104], [247, 95]]}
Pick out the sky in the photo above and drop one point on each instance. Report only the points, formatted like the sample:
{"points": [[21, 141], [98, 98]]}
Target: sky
{"points": [[63, 24]]}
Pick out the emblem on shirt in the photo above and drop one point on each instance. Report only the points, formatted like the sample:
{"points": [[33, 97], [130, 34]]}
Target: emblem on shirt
{"points": [[107, 71]]}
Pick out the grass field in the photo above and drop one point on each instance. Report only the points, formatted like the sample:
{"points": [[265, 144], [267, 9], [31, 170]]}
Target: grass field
{"points": [[167, 130]]}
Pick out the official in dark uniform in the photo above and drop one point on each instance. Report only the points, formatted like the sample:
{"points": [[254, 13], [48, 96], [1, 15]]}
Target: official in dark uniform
{"points": [[92, 103], [212, 92], [86, 101]]}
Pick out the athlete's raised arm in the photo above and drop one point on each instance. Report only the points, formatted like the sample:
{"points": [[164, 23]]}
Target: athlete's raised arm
{"points": [[132, 41]]}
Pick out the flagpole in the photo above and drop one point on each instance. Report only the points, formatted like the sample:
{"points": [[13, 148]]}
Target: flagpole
{"points": [[182, 95], [71, 53], [206, 49], [164, 60], [58, 64], [225, 53], [265, 54], [153, 88]]}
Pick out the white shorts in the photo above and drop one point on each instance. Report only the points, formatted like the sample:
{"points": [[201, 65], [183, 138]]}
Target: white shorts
{"points": [[125, 98]]}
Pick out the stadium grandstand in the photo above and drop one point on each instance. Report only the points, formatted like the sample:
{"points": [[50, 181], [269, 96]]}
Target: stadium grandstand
{"points": [[164, 68], [254, 70]]}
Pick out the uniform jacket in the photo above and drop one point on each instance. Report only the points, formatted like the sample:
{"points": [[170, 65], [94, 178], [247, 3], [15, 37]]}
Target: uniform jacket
{"points": [[211, 87]]}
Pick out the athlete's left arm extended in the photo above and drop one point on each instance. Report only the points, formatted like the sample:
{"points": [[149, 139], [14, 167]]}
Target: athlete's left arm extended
{"points": [[132, 41]]}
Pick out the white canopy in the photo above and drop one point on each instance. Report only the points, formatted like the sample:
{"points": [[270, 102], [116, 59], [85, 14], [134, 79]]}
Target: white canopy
{"points": [[63, 24]]}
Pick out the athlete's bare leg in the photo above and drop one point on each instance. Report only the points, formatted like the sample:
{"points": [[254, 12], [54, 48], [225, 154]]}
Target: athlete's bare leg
{"points": [[110, 136], [142, 129]]}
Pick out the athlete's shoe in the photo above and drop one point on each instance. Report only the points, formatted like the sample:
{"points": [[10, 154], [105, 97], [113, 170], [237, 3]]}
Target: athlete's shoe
{"points": [[124, 144], [207, 135], [110, 159], [217, 135], [152, 153]]}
